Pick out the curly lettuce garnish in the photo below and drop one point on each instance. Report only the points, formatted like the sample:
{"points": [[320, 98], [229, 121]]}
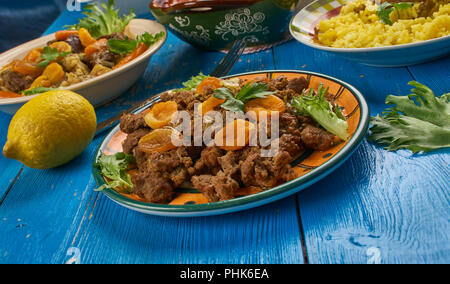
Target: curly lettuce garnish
{"points": [[316, 106], [114, 168], [102, 22], [419, 122], [193, 83]]}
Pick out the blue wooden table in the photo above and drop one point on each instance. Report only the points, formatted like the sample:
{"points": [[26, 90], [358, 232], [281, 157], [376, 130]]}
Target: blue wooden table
{"points": [[379, 207]]}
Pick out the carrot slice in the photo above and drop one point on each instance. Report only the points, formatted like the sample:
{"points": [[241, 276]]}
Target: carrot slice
{"points": [[97, 46], [159, 140], [34, 56], [61, 46], [5, 95], [138, 51], [161, 114], [269, 104], [235, 135], [25, 68], [209, 81], [41, 81], [63, 35], [85, 37], [54, 72]]}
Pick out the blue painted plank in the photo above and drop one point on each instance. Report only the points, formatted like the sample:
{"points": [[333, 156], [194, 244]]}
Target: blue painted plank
{"points": [[380, 206], [436, 74], [9, 168], [61, 219]]}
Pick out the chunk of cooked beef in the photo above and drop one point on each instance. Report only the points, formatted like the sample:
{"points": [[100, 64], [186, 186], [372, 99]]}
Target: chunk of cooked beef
{"points": [[216, 188], [116, 35], [278, 83], [285, 95], [153, 187], [289, 124], [265, 172], [15, 82], [132, 140], [225, 186], [104, 57], [208, 161], [204, 183], [75, 42], [298, 84], [129, 123], [306, 120], [229, 163], [173, 165], [292, 144], [221, 182], [317, 138], [160, 173], [141, 159], [185, 99]]}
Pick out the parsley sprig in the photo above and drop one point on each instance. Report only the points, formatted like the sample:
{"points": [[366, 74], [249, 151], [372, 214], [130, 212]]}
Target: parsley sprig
{"points": [[385, 9], [236, 103], [126, 46], [50, 54]]}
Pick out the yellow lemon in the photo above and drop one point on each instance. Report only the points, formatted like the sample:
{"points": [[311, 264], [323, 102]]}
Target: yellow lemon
{"points": [[50, 130]]}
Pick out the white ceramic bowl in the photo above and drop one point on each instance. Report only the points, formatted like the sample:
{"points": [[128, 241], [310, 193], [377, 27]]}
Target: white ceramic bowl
{"points": [[302, 29], [101, 89]]}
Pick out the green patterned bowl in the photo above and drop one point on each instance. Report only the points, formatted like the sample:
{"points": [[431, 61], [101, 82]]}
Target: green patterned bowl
{"points": [[214, 24]]}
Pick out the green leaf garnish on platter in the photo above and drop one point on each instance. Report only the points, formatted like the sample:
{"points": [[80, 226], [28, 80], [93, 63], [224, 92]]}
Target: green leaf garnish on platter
{"points": [[126, 46], [38, 90], [50, 54], [193, 83], [150, 39], [103, 19], [114, 168], [236, 103], [122, 47], [419, 122], [316, 106]]}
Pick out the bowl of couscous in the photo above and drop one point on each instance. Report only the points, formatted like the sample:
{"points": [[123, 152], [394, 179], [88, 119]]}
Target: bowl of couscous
{"points": [[378, 34]]}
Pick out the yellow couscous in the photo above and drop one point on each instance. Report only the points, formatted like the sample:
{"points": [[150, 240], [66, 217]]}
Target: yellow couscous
{"points": [[358, 25]]}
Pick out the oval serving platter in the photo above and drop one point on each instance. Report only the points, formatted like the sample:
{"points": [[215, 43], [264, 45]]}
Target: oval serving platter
{"points": [[311, 167], [303, 25]]}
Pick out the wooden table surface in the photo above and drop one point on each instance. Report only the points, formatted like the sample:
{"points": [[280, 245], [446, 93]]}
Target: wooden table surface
{"points": [[378, 207]]}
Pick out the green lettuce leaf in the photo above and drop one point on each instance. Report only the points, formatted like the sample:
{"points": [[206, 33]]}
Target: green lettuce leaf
{"points": [[102, 22], [419, 122], [114, 168], [122, 47], [322, 111], [193, 83]]}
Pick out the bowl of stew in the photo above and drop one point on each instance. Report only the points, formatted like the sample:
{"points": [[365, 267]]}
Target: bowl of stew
{"points": [[100, 67]]}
